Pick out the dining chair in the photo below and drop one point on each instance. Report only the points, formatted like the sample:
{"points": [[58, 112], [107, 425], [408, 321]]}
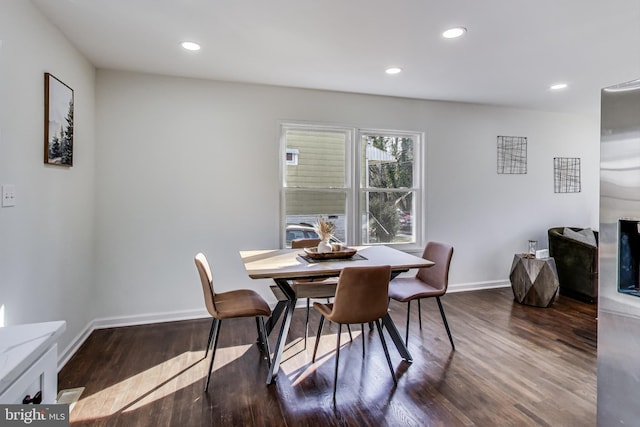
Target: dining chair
{"points": [[230, 305], [429, 282], [361, 297], [308, 288]]}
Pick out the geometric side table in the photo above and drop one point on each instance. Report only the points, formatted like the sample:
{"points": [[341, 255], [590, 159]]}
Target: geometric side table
{"points": [[534, 281]]}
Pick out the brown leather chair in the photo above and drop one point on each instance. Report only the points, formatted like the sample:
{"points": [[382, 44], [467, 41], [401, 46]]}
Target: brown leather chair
{"points": [[308, 288], [429, 282], [361, 297], [230, 305]]}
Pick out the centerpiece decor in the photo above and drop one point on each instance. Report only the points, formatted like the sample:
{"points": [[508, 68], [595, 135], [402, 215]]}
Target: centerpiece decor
{"points": [[325, 229]]}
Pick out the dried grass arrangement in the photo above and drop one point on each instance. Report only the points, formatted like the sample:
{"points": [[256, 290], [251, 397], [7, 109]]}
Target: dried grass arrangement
{"points": [[324, 228]]}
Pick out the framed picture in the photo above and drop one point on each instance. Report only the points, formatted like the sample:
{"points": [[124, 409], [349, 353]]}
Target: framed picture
{"points": [[58, 122]]}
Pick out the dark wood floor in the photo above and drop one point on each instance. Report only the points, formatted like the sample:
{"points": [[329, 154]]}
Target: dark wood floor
{"points": [[513, 366]]}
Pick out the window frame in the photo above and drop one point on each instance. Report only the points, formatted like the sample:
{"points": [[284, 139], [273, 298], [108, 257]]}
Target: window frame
{"points": [[352, 186]]}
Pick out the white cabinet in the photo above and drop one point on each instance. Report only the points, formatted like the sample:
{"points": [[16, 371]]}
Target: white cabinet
{"points": [[29, 360]]}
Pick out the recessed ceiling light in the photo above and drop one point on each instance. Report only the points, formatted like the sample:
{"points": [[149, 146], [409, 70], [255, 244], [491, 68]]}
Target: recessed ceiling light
{"points": [[393, 70], [558, 86], [190, 45], [454, 32]]}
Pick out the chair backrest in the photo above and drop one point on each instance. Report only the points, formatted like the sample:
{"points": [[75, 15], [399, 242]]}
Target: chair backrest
{"points": [[436, 276], [207, 283], [304, 243], [362, 294]]}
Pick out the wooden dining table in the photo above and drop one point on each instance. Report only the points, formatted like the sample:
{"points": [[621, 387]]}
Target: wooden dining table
{"points": [[285, 265]]}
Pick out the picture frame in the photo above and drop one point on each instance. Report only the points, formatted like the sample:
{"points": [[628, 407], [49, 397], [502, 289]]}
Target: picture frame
{"points": [[58, 122]]}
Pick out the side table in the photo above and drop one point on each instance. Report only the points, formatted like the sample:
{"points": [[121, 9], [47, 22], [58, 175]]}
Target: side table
{"points": [[534, 281]]}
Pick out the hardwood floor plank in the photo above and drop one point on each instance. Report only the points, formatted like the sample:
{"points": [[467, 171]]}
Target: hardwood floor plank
{"points": [[514, 365]]}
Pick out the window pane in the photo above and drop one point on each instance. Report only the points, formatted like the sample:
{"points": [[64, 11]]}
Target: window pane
{"points": [[320, 159], [304, 207], [387, 162], [387, 217]]}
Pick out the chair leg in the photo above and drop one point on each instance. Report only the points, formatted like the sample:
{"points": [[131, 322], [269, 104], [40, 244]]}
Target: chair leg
{"points": [[419, 314], [265, 339], [350, 336], [213, 351], [406, 335], [259, 341], [362, 334], [213, 324], [444, 320], [306, 325], [386, 352], [335, 374], [315, 348]]}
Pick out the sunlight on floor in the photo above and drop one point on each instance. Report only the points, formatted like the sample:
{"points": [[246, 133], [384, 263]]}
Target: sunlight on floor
{"points": [[167, 378], [298, 375]]}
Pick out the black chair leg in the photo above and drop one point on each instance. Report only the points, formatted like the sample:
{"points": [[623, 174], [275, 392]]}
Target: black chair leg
{"points": [[362, 333], [213, 351], [406, 336], [444, 320], [386, 352], [213, 324], [419, 314], [264, 341], [315, 348], [335, 375], [306, 325], [260, 340], [350, 336]]}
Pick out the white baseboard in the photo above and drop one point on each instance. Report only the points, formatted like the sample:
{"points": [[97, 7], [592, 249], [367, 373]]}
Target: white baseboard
{"points": [[74, 345], [144, 319], [173, 316], [115, 322], [477, 286]]}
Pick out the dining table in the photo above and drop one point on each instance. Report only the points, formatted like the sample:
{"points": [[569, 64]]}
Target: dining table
{"points": [[286, 265]]}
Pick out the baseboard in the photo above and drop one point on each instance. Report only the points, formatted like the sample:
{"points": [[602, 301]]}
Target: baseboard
{"points": [[174, 316], [74, 345], [116, 322], [144, 319], [477, 286]]}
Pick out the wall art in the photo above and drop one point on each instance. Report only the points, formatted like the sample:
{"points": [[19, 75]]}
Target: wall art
{"points": [[512, 155], [58, 122]]}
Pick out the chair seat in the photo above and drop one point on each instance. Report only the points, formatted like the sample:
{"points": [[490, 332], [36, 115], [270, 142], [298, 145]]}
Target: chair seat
{"points": [[405, 289], [241, 303], [324, 309]]}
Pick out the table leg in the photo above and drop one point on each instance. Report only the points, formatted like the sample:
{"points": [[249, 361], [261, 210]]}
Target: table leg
{"points": [[284, 329], [275, 315], [395, 337]]}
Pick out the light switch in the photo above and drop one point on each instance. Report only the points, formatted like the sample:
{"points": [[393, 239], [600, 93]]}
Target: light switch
{"points": [[8, 195]]}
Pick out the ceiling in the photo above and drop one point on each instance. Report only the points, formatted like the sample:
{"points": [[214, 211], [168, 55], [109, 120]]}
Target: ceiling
{"points": [[512, 52]]}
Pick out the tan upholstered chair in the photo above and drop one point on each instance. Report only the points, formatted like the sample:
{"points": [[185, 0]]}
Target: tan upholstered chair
{"points": [[308, 288], [361, 297], [229, 305], [429, 282]]}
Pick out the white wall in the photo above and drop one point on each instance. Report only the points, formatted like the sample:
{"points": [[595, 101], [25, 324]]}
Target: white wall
{"points": [[170, 166], [189, 165], [46, 240]]}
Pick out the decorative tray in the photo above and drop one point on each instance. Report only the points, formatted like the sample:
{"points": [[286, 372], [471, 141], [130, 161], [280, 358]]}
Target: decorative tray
{"points": [[341, 254]]}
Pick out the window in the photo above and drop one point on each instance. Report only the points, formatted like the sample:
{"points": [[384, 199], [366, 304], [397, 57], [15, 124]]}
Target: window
{"points": [[387, 192], [292, 157], [371, 190]]}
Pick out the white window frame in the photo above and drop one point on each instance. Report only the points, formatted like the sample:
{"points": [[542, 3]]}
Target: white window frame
{"points": [[353, 187]]}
